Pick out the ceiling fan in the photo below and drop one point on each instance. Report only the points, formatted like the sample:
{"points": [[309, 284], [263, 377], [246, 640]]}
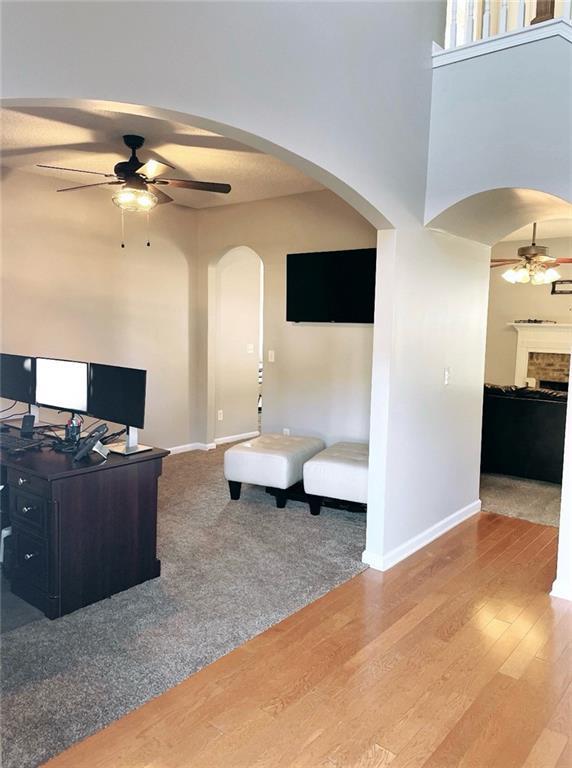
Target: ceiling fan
{"points": [[139, 182], [533, 264]]}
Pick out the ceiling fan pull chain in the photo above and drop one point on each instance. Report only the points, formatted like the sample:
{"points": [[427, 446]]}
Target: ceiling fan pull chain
{"points": [[148, 231], [122, 228]]}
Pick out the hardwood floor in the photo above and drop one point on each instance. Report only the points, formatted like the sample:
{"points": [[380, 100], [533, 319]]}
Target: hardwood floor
{"points": [[456, 658]]}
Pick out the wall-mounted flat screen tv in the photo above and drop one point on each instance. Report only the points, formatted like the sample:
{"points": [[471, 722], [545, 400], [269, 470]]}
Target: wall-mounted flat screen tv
{"points": [[331, 286]]}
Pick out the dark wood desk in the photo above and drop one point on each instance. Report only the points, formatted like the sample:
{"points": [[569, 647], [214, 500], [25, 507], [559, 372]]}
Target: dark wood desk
{"points": [[81, 531]]}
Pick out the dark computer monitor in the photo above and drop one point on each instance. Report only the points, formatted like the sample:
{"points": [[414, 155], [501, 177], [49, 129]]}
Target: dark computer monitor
{"points": [[18, 378], [117, 394], [61, 384]]}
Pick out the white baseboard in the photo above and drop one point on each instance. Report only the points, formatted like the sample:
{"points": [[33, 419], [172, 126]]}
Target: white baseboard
{"points": [[561, 590], [235, 438], [385, 562], [192, 447]]}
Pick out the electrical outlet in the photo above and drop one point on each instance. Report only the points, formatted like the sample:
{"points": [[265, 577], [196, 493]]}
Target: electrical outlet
{"points": [[446, 376], [250, 349], [286, 432], [220, 415]]}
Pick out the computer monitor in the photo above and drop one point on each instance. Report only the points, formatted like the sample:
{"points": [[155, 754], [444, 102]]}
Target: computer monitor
{"points": [[18, 378], [61, 384], [117, 394]]}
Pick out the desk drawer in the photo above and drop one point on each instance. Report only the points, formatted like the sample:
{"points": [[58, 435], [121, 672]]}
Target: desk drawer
{"points": [[30, 560], [24, 481], [29, 511]]}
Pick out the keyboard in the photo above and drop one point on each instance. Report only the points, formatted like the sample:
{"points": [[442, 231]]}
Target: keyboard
{"points": [[8, 442]]}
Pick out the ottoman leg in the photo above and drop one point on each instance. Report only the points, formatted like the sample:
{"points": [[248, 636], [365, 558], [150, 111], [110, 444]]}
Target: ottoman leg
{"points": [[315, 504], [281, 498], [234, 489]]}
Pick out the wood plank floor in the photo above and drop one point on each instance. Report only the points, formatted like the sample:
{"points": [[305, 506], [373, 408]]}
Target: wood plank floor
{"points": [[456, 658]]}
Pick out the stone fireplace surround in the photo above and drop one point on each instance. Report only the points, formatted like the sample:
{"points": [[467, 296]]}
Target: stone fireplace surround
{"points": [[542, 348]]}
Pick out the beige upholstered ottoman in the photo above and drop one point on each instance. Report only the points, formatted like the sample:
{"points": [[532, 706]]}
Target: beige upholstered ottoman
{"points": [[275, 461]]}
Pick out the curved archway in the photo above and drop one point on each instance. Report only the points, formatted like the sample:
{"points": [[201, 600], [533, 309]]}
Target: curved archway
{"points": [[320, 174], [487, 217], [490, 215], [235, 328]]}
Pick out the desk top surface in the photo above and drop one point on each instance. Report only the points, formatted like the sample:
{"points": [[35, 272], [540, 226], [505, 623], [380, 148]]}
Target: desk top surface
{"points": [[51, 465]]}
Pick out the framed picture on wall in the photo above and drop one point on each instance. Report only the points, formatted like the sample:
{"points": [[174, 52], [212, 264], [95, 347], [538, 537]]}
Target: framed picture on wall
{"points": [[561, 287]]}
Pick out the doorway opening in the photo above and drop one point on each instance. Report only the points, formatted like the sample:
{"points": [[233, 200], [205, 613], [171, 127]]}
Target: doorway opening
{"points": [[239, 324]]}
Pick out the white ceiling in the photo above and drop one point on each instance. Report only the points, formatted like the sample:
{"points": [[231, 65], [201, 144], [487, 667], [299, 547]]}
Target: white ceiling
{"points": [[544, 230], [92, 140]]}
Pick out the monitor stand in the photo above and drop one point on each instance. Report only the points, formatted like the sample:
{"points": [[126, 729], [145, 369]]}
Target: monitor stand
{"points": [[129, 445]]}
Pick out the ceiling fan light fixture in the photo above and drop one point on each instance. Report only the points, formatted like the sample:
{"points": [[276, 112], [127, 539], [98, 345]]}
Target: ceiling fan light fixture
{"points": [[134, 200], [510, 276]]}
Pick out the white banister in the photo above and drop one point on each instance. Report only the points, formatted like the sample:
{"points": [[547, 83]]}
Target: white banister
{"points": [[503, 17], [521, 14], [452, 41], [486, 19], [470, 22]]}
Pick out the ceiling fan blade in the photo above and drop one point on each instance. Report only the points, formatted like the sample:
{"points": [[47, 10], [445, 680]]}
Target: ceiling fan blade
{"points": [[85, 186], [161, 196], [201, 186], [152, 168], [75, 170], [564, 261], [504, 263]]}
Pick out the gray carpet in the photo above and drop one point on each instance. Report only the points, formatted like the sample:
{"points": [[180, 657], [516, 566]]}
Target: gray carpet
{"points": [[529, 500], [229, 571]]}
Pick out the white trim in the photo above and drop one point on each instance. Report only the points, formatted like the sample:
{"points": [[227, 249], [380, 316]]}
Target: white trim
{"points": [[544, 30], [192, 447], [385, 562], [563, 591], [236, 438]]}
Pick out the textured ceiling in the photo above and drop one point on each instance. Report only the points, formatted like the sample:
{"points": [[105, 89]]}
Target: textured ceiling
{"points": [[545, 230], [92, 140]]}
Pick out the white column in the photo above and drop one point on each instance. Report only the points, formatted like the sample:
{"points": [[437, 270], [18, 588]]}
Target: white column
{"points": [[486, 19], [562, 587], [567, 9], [503, 18]]}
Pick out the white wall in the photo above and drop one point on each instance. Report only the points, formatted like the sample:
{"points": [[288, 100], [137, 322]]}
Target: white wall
{"points": [[498, 122], [431, 316], [69, 290], [345, 85], [320, 381], [508, 303], [237, 310]]}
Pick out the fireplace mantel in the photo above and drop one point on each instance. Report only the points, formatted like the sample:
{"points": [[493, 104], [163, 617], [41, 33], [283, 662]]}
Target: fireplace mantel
{"points": [[539, 337]]}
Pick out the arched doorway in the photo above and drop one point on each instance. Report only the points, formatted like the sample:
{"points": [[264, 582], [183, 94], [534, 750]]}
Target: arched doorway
{"points": [[487, 217], [235, 353]]}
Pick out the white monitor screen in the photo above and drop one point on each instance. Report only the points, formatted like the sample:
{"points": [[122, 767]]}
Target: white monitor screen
{"points": [[61, 384]]}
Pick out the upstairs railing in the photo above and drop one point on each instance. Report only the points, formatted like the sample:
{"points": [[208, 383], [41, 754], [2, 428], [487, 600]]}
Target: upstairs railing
{"points": [[471, 20]]}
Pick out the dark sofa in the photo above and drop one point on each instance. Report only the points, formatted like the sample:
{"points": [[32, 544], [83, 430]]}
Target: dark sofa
{"points": [[523, 432]]}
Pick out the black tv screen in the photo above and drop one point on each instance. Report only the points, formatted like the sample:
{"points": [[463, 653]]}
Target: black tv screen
{"points": [[331, 286], [117, 394], [18, 378]]}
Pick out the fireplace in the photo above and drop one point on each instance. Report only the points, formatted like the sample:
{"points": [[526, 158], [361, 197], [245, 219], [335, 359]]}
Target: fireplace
{"points": [[550, 370], [543, 353]]}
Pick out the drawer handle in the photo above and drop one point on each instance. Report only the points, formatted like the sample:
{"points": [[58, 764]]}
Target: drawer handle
{"points": [[29, 555], [25, 510], [22, 480]]}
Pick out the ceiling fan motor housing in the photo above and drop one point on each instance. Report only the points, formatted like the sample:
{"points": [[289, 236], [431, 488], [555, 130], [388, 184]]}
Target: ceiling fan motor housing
{"points": [[534, 252]]}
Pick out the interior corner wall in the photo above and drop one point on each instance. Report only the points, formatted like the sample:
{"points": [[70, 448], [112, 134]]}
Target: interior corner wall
{"points": [[69, 290], [433, 299], [320, 382], [508, 303]]}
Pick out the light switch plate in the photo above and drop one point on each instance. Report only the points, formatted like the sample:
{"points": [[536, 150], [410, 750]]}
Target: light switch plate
{"points": [[271, 356]]}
